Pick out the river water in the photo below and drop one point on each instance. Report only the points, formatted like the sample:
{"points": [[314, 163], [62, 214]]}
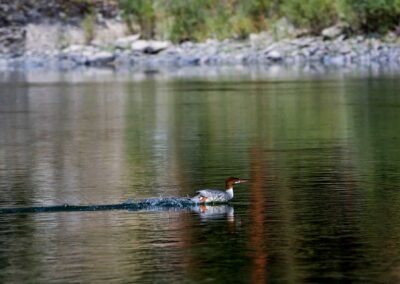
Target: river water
{"points": [[321, 150]]}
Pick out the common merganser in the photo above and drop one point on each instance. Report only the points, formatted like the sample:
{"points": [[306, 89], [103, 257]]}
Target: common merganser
{"points": [[215, 195]]}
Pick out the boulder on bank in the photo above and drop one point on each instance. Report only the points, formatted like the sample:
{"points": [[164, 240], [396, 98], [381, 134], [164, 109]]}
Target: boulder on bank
{"points": [[335, 31], [126, 42], [274, 56], [101, 58], [88, 55], [149, 46], [141, 46]]}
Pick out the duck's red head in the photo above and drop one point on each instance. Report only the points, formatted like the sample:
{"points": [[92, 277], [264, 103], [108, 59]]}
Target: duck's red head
{"points": [[230, 181]]}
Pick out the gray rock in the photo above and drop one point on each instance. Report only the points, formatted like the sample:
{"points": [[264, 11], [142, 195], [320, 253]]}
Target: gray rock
{"points": [[139, 45], [283, 28], [303, 42], [87, 55], [260, 39], [189, 61], [100, 58], [156, 46], [334, 31], [75, 48], [345, 49], [36, 61], [338, 60], [78, 59], [150, 46], [126, 42], [12, 40], [274, 55]]}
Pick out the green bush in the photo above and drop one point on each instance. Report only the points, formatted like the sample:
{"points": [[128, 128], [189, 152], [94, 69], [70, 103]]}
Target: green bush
{"points": [[188, 19], [218, 20], [88, 24], [241, 26], [256, 11], [371, 15], [196, 20], [314, 15], [141, 12], [199, 19]]}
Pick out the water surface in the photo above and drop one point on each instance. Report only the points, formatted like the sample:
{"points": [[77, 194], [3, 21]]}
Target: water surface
{"points": [[322, 152]]}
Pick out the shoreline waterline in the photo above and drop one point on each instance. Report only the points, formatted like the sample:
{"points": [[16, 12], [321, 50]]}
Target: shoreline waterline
{"points": [[132, 53]]}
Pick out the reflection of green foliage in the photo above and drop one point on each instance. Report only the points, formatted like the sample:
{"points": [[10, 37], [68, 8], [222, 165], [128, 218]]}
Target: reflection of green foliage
{"points": [[141, 115], [323, 151]]}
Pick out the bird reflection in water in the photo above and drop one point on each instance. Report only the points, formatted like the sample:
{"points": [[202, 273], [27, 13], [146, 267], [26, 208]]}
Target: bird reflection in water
{"points": [[207, 212]]}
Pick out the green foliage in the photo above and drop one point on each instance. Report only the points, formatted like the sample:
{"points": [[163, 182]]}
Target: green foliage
{"points": [[181, 20], [241, 26], [256, 11], [88, 25], [199, 19], [371, 15], [141, 12], [188, 19], [250, 16], [217, 21], [314, 15]]}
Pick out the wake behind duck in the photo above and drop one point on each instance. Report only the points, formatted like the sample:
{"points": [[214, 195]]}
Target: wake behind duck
{"points": [[204, 196]]}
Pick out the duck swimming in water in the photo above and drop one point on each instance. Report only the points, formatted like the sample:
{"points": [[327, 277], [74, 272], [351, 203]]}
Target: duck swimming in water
{"points": [[215, 195]]}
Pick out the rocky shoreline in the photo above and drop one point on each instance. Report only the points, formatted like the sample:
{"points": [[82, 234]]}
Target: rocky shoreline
{"points": [[331, 48], [65, 35]]}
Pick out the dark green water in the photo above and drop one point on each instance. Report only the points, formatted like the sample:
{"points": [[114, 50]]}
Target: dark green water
{"points": [[322, 153]]}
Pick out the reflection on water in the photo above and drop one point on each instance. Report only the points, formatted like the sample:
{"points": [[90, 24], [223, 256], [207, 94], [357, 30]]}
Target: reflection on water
{"points": [[209, 212], [321, 152]]}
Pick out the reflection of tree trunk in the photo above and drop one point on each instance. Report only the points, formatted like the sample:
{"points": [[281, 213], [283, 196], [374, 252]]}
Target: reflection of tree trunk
{"points": [[16, 128], [257, 213]]}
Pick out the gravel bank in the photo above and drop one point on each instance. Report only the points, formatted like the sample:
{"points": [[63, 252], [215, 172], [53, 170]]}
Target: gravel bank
{"points": [[53, 35], [131, 52]]}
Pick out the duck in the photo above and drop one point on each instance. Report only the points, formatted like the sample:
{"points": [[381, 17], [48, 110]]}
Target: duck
{"points": [[216, 195]]}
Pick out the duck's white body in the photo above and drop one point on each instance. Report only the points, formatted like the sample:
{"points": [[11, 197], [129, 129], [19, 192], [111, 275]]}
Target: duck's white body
{"points": [[213, 195], [216, 195]]}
